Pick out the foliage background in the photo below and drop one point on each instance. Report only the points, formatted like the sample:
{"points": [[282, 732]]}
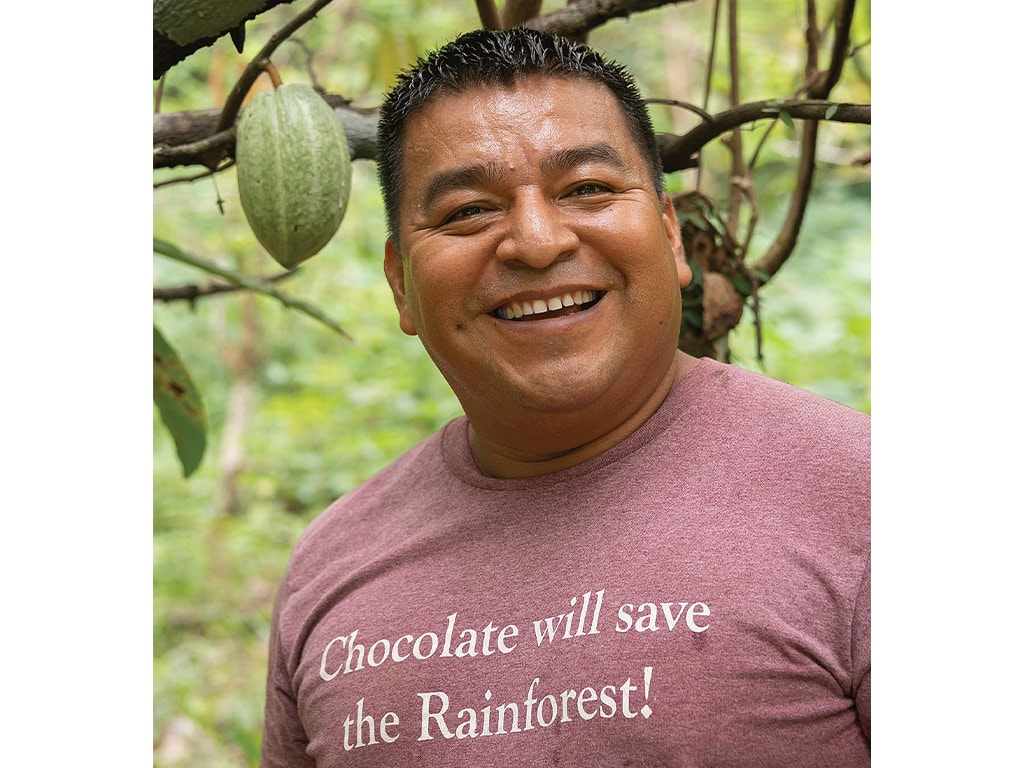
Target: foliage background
{"points": [[325, 414]]}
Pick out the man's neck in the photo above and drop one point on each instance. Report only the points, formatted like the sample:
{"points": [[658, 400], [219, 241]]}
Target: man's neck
{"points": [[497, 458]]}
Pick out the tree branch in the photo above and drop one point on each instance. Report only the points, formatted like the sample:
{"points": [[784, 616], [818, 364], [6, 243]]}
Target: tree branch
{"points": [[234, 101], [168, 52], [207, 137], [193, 292], [244, 281], [183, 138], [683, 105], [840, 51], [785, 241], [179, 138], [490, 18], [580, 17], [735, 140], [516, 12], [679, 152]]}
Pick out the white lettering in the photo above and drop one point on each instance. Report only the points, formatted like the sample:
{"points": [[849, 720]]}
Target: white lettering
{"points": [[697, 609], [625, 622], [417, 651], [666, 608], [586, 696], [395, 656], [438, 717], [385, 647], [323, 660]]}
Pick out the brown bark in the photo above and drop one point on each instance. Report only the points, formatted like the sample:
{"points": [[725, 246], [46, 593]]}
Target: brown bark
{"points": [[167, 53], [579, 17]]}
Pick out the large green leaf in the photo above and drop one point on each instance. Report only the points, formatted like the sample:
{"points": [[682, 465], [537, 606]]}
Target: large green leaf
{"points": [[178, 400]]}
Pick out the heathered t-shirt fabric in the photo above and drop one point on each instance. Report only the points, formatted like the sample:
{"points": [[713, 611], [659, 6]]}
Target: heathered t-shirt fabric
{"points": [[697, 596]]}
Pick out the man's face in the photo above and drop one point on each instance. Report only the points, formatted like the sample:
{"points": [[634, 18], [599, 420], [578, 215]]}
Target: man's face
{"points": [[539, 267]]}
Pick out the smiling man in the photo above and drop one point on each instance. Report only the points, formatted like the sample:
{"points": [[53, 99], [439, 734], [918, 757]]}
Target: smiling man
{"points": [[542, 198], [620, 555]]}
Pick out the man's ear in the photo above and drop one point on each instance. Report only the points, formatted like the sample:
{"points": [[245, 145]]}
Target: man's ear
{"points": [[394, 268], [675, 239]]}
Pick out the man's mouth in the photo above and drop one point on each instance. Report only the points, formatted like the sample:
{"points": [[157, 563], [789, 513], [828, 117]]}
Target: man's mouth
{"points": [[556, 306]]}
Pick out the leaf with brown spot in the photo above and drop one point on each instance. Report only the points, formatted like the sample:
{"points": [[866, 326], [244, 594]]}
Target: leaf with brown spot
{"points": [[178, 401]]}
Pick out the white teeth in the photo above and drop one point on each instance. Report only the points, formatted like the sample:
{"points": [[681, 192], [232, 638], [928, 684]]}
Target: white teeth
{"points": [[518, 309]]}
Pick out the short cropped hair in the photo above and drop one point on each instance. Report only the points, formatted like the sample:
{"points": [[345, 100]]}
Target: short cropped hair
{"points": [[500, 58]]}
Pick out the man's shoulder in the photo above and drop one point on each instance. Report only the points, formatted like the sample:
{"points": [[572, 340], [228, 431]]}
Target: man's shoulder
{"points": [[383, 494], [773, 397], [750, 410]]}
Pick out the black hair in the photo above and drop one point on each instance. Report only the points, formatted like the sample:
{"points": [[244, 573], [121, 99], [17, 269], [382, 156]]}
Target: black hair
{"points": [[500, 58]]}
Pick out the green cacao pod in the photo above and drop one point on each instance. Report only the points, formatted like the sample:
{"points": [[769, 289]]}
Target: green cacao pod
{"points": [[294, 171]]}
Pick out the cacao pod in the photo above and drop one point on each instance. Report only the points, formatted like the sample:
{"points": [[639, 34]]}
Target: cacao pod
{"points": [[294, 171]]}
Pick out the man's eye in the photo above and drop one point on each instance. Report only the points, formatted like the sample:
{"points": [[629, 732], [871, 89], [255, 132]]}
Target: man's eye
{"points": [[589, 188], [463, 213]]}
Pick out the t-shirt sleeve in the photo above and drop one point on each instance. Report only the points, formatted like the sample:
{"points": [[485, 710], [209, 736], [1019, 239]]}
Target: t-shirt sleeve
{"points": [[862, 653], [284, 738]]}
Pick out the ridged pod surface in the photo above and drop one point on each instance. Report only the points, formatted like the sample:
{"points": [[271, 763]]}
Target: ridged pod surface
{"points": [[294, 171]]}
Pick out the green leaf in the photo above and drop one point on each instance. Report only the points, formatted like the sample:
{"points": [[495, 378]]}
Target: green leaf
{"points": [[742, 284], [786, 118], [831, 111], [178, 400]]}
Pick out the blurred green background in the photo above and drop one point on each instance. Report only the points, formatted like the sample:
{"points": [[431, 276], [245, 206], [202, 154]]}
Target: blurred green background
{"points": [[298, 415]]}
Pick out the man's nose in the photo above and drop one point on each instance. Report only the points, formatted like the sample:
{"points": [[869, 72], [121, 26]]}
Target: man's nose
{"points": [[538, 233]]}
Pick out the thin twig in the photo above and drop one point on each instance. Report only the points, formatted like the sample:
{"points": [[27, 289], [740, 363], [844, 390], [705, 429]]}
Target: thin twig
{"points": [[785, 241], [735, 142], [164, 155], [173, 252], [840, 50], [490, 18], [813, 37], [310, 69], [255, 67], [703, 114], [159, 93], [678, 151], [712, 48], [188, 179], [746, 186], [192, 292]]}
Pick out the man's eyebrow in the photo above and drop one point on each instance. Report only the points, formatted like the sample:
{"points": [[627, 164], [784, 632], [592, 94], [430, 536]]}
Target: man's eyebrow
{"points": [[484, 174], [443, 182], [573, 157]]}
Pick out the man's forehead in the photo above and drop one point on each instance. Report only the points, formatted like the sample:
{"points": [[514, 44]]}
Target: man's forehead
{"points": [[481, 120]]}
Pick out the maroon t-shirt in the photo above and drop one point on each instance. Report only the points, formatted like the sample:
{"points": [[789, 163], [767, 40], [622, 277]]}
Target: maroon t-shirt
{"points": [[699, 595]]}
